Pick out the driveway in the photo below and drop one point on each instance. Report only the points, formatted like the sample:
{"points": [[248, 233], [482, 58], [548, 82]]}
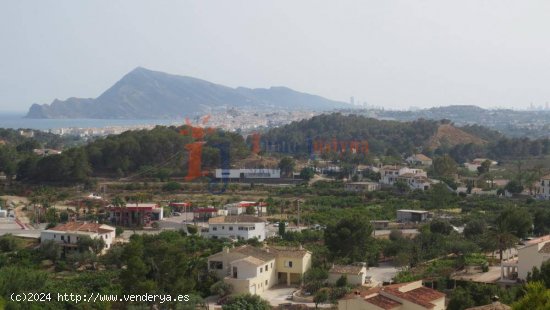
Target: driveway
{"points": [[383, 273], [278, 295]]}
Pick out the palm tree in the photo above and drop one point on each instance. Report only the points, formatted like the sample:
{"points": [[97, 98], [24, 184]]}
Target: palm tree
{"points": [[119, 203]]}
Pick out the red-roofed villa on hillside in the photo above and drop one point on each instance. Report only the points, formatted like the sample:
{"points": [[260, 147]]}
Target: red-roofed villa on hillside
{"points": [[402, 296]]}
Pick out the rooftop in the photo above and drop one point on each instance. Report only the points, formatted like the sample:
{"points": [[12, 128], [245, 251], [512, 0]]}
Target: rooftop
{"points": [[83, 227], [493, 306], [383, 302], [235, 219], [412, 211], [346, 269]]}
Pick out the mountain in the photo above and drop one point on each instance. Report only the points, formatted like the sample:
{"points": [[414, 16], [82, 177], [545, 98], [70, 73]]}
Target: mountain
{"points": [[147, 94]]}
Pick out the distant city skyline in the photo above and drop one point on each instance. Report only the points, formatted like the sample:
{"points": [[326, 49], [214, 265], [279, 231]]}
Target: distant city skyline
{"points": [[395, 55]]}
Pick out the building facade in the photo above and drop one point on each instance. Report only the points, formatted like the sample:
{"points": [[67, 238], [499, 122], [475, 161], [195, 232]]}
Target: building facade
{"points": [[254, 270], [70, 233], [241, 227]]}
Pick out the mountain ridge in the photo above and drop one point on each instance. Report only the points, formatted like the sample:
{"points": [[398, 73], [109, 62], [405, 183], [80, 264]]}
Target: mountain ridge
{"points": [[148, 94]]}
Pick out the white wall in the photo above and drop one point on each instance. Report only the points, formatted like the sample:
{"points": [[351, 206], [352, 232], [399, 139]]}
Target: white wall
{"points": [[231, 230]]}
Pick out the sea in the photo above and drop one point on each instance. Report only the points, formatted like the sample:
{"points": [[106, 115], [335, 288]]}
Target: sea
{"points": [[16, 120]]}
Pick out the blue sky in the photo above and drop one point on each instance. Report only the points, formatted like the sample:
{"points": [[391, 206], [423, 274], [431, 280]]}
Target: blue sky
{"points": [[394, 54]]}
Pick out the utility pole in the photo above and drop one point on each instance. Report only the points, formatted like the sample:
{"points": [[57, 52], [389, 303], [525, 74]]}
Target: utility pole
{"points": [[298, 204]]}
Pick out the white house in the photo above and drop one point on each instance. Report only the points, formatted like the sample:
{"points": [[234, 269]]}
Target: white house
{"points": [[415, 178], [361, 186], [543, 188], [532, 254], [355, 274], [238, 208], [68, 234], [242, 227], [253, 270], [260, 173], [412, 215], [419, 159]]}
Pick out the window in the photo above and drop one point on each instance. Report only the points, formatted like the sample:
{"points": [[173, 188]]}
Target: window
{"points": [[271, 265], [265, 282], [216, 265], [261, 270], [288, 263], [214, 228], [230, 227], [223, 227], [62, 237], [266, 267]]}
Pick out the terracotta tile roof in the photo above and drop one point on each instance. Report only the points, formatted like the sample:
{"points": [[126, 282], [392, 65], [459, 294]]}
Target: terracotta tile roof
{"points": [[493, 306], [346, 269], [421, 157], [246, 251], [546, 177], [251, 260], [236, 219], [83, 227], [363, 293], [288, 251], [422, 296], [383, 302]]}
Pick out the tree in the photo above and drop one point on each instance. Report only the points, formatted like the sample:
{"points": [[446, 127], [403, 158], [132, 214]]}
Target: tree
{"points": [[349, 238], [536, 297], [484, 167], [460, 300], [119, 203], [9, 243], [320, 297], [342, 281], [246, 302], [307, 173], [540, 275], [440, 227], [250, 210], [444, 166], [287, 166], [514, 187], [282, 228], [474, 228], [221, 289]]}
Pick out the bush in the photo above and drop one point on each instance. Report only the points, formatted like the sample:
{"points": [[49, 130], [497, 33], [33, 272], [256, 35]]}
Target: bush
{"points": [[343, 281], [171, 186], [9, 243]]}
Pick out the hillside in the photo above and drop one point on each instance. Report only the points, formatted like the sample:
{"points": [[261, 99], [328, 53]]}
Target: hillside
{"points": [[448, 135], [147, 94], [382, 136]]}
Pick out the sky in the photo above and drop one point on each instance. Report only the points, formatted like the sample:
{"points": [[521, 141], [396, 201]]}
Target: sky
{"points": [[393, 54]]}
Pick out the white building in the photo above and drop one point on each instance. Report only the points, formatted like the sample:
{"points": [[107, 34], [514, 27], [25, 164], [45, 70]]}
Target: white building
{"points": [[532, 254], [543, 188], [415, 178], [412, 215], [355, 274], [242, 227], [68, 234], [361, 186], [235, 174], [239, 208]]}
